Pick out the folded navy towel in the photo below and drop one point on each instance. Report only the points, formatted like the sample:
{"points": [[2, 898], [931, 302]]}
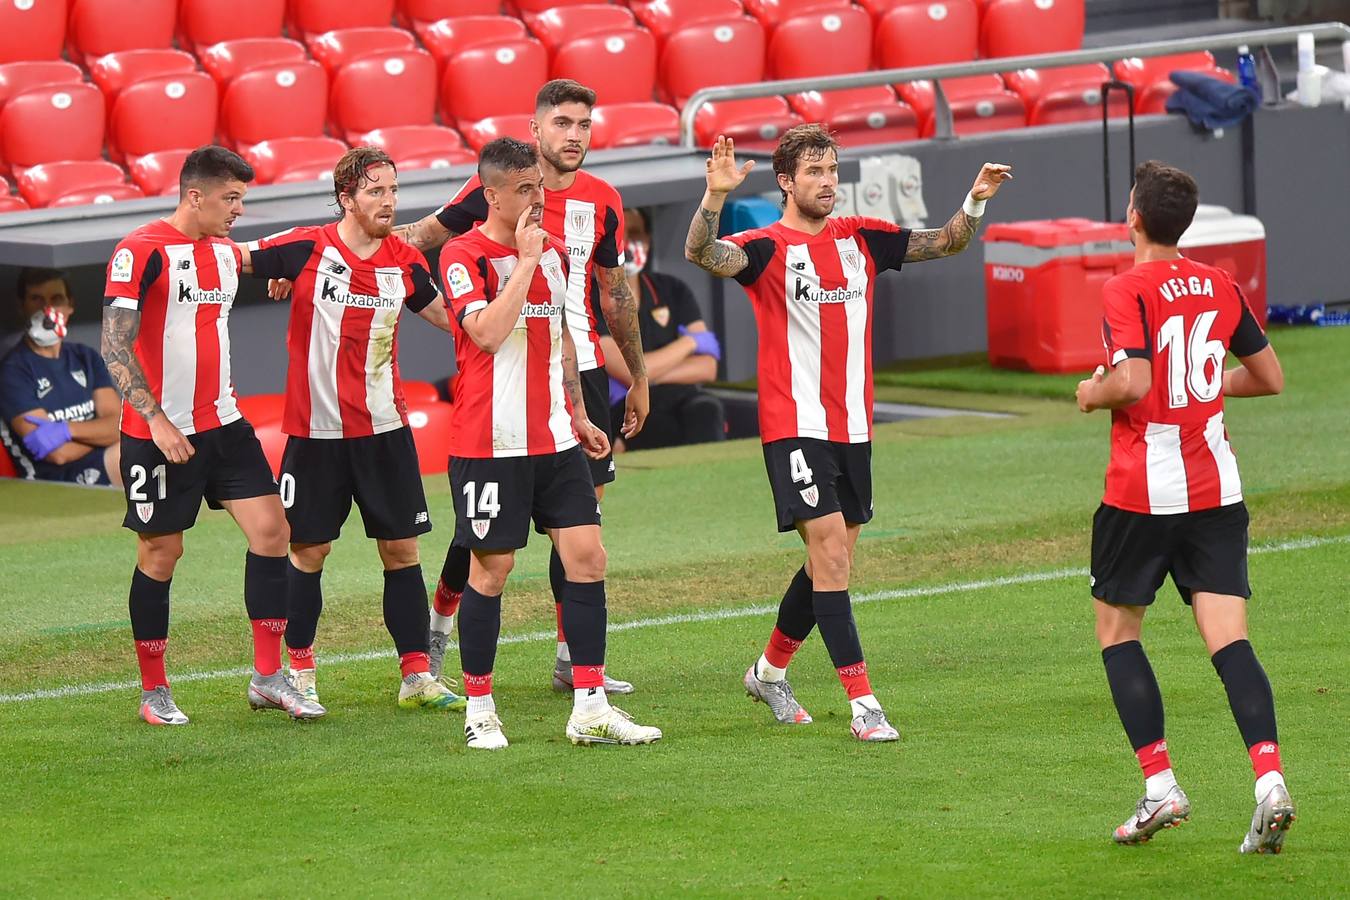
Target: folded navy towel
{"points": [[1210, 102]]}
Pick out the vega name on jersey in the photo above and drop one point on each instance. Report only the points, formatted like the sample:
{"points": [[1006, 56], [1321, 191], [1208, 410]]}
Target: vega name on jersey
{"points": [[1193, 286]]}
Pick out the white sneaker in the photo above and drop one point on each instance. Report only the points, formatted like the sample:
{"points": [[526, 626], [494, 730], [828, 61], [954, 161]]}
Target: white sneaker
{"points": [[610, 726], [484, 732], [1152, 816], [1271, 820], [872, 727]]}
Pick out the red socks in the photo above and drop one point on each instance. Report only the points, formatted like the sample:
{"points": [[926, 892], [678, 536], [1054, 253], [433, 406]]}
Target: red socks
{"points": [[780, 649], [855, 681], [267, 644], [1153, 758], [446, 601], [414, 662], [301, 658], [1265, 758], [477, 685], [150, 658], [562, 638], [586, 677]]}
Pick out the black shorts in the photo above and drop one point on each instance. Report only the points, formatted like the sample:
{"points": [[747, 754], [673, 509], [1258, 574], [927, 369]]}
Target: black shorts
{"points": [[163, 497], [321, 477], [505, 493], [1133, 552], [812, 478], [595, 391]]}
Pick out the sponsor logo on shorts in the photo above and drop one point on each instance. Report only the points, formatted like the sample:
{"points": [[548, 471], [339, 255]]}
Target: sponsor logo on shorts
{"points": [[611, 465], [421, 518], [811, 495], [144, 511], [480, 527]]}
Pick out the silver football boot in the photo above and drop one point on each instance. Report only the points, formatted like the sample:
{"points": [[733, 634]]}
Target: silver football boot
{"points": [[158, 708], [562, 680], [275, 691], [1152, 816], [779, 697], [1270, 822]]}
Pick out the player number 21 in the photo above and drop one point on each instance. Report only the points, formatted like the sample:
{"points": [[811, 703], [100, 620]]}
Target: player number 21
{"points": [[1194, 364], [138, 479], [486, 506]]}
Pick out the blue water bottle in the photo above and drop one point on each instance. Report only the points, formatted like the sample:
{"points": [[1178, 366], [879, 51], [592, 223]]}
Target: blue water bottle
{"points": [[1246, 66]]}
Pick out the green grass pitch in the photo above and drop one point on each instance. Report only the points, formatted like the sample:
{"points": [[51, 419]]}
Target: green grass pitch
{"points": [[978, 630]]}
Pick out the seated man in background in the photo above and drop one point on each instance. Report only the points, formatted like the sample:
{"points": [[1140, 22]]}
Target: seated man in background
{"points": [[58, 409], [681, 353]]}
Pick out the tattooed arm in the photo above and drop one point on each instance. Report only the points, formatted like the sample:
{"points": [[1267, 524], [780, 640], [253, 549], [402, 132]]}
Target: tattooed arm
{"points": [[701, 247], [120, 327], [621, 315], [594, 443], [934, 243], [427, 233]]}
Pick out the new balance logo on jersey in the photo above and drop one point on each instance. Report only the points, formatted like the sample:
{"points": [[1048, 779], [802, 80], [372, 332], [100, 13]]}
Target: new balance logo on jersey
{"points": [[1174, 288], [336, 268], [799, 266], [185, 264], [805, 292], [421, 518], [541, 310], [480, 527], [334, 294], [215, 295]]}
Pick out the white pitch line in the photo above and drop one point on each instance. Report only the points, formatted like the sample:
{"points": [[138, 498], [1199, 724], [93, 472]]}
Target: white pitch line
{"points": [[703, 615]]}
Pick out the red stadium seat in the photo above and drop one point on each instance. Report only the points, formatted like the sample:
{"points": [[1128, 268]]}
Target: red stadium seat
{"points": [[445, 38], [498, 80], [480, 133], [98, 27], [866, 115], [294, 158], [420, 146], [52, 122], [164, 113], [334, 49], [418, 14], [529, 7], [10, 203], [45, 184], [202, 23], [228, 60], [418, 393], [877, 9], [262, 409], [634, 124], [1019, 27], [1066, 94], [383, 90], [772, 13], [32, 31], [115, 71], [712, 53], [831, 42], [430, 424], [753, 124], [1150, 76], [665, 17], [555, 27], [17, 77], [978, 102], [157, 173], [928, 34], [275, 102], [314, 17], [619, 66]]}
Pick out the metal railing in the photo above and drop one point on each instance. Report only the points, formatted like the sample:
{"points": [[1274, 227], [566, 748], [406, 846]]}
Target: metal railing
{"points": [[1260, 38]]}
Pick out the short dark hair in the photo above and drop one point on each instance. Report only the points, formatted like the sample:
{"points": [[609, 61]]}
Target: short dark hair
{"points": [[32, 276], [212, 163], [1165, 198], [505, 154], [352, 170], [560, 91], [802, 142]]}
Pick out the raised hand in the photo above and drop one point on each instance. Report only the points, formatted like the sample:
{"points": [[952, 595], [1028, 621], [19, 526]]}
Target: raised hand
{"points": [[723, 174], [530, 238], [279, 288], [990, 179]]}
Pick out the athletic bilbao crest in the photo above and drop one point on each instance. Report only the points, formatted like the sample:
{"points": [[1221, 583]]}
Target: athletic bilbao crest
{"points": [[480, 527], [581, 221], [811, 495], [144, 511], [852, 262], [389, 282]]}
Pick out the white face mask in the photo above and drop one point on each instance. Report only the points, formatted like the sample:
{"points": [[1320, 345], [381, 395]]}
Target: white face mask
{"points": [[47, 327], [635, 260]]}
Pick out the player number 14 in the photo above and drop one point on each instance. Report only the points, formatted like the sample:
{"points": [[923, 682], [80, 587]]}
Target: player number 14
{"points": [[1194, 364], [486, 505]]}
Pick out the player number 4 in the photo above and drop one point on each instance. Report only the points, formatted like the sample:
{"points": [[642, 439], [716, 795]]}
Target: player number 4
{"points": [[486, 506], [138, 478], [797, 466], [1194, 365]]}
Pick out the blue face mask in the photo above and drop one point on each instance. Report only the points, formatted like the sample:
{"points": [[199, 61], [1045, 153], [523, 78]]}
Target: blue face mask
{"points": [[47, 327]]}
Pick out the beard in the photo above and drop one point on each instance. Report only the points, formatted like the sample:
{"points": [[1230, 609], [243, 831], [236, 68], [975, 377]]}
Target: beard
{"points": [[372, 227], [555, 159]]}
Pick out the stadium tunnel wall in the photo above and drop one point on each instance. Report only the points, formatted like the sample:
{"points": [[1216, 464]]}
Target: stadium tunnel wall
{"points": [[937, 308]]}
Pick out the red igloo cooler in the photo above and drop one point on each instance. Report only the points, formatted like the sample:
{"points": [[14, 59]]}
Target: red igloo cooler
{"points": [[1232, 242]]}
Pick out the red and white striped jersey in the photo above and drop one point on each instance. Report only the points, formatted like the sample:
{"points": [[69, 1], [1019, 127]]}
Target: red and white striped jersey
{"points": [[342, 340], [512, 402], [1169, 451], [183, 290], [587, 219], [812, 296]]}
